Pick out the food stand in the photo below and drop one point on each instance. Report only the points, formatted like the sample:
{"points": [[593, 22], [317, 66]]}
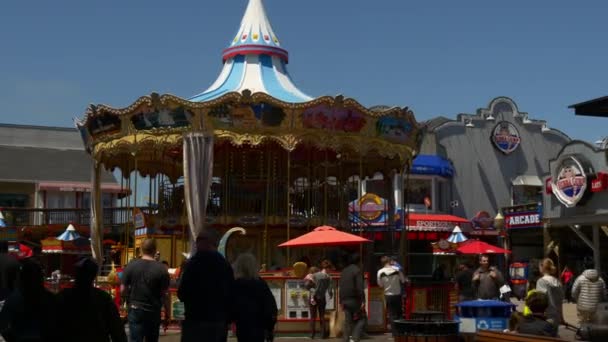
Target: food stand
{"points": [[288, 286]]}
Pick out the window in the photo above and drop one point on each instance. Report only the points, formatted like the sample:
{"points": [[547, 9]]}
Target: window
{"points": [[13, 200], [417, 190], [525, 194]]}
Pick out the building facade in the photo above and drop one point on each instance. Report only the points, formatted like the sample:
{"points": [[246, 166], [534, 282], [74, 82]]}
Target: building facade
{"points": [[46, 168], [500, 157]]}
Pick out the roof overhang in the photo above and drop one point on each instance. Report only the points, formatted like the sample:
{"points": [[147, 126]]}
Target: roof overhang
{"points": [[595, 107], [80, 187]]}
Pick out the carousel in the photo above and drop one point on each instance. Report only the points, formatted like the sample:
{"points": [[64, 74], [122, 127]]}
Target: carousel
{"points": [[251, 151]]}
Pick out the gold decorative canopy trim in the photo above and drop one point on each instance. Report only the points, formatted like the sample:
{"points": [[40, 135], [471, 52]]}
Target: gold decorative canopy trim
{"points": [[151, 129]]}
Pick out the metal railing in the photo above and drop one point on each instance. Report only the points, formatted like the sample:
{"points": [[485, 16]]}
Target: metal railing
{"points": [[40, 217]]}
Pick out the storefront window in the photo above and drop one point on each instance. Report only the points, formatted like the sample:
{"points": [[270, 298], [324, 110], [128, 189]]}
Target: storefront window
{"points": [[417, 190], [525, 194]]}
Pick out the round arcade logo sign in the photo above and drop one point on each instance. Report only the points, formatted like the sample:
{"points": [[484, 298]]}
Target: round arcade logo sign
{"points": [[505, 137], [570, 182]]}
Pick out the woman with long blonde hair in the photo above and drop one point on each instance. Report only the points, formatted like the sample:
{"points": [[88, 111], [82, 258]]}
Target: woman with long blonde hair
{"points": [[550, 285]]}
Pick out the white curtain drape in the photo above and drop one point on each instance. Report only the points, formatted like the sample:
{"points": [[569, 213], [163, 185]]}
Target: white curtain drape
{"points": [[198, 173], [96, 214]]}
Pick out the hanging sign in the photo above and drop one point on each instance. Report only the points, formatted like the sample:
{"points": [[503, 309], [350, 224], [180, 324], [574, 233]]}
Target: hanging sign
{"points": [[505, 137], [139, 218], [600, 182], [569, 181], [371, 209]]}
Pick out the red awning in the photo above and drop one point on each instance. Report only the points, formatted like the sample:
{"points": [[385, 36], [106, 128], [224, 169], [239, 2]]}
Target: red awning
{"points": [[418, 222], [80, 187]]}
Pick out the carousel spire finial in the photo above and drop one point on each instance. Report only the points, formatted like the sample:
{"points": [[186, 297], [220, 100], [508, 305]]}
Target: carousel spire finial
{"points": [[255, 35]]}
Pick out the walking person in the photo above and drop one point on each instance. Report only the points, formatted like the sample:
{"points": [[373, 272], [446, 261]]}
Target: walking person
{"points": [[145, 284], [206, 289], [588, 290], [352, 299], [567, 278], [390, 279], [487, 280], [30, 312], [255, 309], [89, 312], [552, 287], [318, 298], [9, 268]]}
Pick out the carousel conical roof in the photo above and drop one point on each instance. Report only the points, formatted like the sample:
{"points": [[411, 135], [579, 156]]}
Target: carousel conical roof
{"points": [[457, 236], [254, 61], [70, 234]]}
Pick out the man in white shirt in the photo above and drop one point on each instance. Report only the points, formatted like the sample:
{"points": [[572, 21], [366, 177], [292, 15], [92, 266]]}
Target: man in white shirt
{"points": [[391, 280]]}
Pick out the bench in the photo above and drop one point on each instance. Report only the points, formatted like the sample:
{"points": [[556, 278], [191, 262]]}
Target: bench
{"points": [[493, 335]]}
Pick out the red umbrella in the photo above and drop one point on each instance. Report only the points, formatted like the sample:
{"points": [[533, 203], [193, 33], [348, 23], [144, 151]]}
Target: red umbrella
{"points": [[325, 236], [480, 247]]}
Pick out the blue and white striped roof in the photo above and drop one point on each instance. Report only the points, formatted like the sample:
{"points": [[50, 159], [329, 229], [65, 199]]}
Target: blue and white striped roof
{"points": [[457, 236], [70, 234], [255, 61]]}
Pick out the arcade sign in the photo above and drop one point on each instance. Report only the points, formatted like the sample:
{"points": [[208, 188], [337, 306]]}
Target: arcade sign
{"points": [[505, 137], [569, 181], [523, 216]]}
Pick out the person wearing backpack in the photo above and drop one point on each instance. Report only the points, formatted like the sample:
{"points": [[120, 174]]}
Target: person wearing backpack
{"points": [[390, 279], [552, 287]]}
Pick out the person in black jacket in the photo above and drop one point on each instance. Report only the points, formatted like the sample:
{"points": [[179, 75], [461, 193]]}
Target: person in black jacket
{"points": [[30, 312], [255, 309], [9, 268], [206, 289], [90, 313], [352, 299]]}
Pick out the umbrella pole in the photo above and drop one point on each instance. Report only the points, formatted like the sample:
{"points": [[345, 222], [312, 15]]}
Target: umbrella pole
{"points": [[403, 242]]}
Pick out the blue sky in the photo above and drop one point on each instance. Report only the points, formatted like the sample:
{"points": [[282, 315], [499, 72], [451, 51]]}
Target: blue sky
{"points": [[436, 57]]}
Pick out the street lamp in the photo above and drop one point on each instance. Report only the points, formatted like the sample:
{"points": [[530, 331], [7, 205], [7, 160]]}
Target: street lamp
{"points": [[499, 221]]}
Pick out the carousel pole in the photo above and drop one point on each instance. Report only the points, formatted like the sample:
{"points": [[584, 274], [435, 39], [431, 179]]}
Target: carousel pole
{"points": [[360, 205], [288, 184], [266, 204], [127, 222], [403, 241], [308, 190]]}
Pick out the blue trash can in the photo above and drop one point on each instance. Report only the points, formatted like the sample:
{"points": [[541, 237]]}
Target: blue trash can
{"points": [[481, 314]]}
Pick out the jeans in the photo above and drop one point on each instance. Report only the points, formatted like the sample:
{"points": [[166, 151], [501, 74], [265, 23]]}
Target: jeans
{"points": [[354, 321], [319, 307], [395, 311], [143, 325]]}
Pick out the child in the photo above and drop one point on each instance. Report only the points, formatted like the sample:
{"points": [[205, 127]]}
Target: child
{"points": [[536, 323], [531, 290], [310, 284]]}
